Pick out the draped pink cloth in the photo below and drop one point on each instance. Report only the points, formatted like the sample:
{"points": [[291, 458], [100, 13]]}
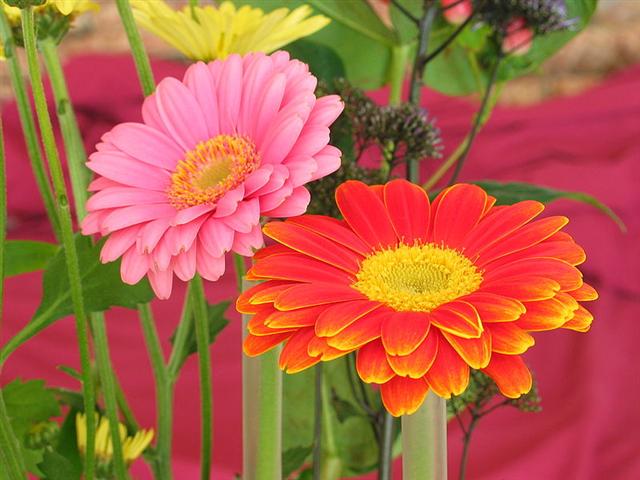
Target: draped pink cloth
{"points": [[590, 426]]}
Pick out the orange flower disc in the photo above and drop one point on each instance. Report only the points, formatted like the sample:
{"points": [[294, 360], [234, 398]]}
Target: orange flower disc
{"points": [[422, 292]]}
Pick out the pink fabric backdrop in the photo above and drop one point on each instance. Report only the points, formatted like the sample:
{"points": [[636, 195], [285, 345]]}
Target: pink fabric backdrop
{"points": [[590, 426]]}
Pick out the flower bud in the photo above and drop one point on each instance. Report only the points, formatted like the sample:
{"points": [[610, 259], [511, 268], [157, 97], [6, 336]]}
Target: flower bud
{"points": [[456, 12], [25, 3], [518, 38]]}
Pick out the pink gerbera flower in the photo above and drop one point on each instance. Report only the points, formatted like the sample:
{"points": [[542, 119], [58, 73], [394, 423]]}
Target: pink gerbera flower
{"points": [[237, 139]]}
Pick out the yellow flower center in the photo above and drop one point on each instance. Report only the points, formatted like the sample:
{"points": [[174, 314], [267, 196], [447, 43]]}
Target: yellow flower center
{"points": [[417, 278], [212, 169]]}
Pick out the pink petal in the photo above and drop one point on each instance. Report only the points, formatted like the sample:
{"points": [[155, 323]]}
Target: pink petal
{"points": [[279, 140], [101, 183], [123, 197], [151, 233], [199, 80], [161, 255], [92, 223], [311, 141], [294, 205], [257, 179], [246, 243], [245, 217], [228, 203], [118, 243], [216, 237], [211, 268], [146, 144], [273, 200], [126, 170], [278, 178], [134, 266], [301, 169], [230, 90], [189, 214], [161, 282], [268, 106], [326, 110], [184, 265], [328, 160], [133, 215]]}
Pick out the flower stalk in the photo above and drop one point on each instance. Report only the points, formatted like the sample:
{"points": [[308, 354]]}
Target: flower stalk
{"points": [[66, 229], [386, 447], [424, 441]]}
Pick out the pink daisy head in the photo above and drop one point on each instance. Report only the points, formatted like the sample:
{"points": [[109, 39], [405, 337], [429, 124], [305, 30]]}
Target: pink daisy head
{"points": [[235, 140]]}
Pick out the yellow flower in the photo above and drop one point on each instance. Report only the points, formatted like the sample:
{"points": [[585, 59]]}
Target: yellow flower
{"points": [[206, 32], [73, 7], [132, 447]]}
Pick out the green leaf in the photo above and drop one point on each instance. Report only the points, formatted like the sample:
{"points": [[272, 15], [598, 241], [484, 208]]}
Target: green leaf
{"points": [[323, 61], [29, 403], [217, 322], [23, 256], [293, 459], [356, 444], [509, 193], [67, 457], [405, 28], [343, 408], [55, 467]]}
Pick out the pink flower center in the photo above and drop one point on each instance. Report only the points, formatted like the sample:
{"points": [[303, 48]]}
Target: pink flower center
{"points": [[212, 169]]}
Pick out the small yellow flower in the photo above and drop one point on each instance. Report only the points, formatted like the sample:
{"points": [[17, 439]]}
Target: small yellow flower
{"points": [[73, 7], [132, 447], [207, 33]]}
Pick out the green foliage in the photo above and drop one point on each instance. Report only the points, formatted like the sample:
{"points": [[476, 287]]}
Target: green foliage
{"points": [[293, 459], [512, 192], [29, 405], [217, 322], [323, 61], [356, 443], [23, 256], [64, 462]]}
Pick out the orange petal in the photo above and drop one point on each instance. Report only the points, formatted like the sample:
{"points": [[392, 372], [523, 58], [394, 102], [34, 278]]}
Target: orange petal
{"points": [[254, 346], [510, 374], [408, 207], [403, 396], [319, 347], [568, 276], [243, 303], [545, 315], [449, 374], [312, 294], [498, 225], [509, 339], [302, 317], [459, 318], [257, 327], [418, 362], [458, 211], [294, 356], [332, 229], [525, 288], [266, 252], [363, 330], [299, 268], [585, 293], [371, 363], [364, 211], [269, 293], [495, 308], [475, 351], [339, 316], [313, 245], [581, 320], [570, 252], [527, 236], [402, 332]]}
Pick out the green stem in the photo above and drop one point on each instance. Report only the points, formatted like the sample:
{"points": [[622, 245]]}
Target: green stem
{"points": [[105, 371], [127, 414], [465, 448], [446, 165], [317, 424], [479, 120], [386, 444], [424, 29], [204, 365], [178, 352], [28, 125], [331, 463], [11, 461], [397, 72], [3, 221], [74, 147], [140, 57], [241, 269], [164, 392], [66, 229], [424, 441], [261, 413]]}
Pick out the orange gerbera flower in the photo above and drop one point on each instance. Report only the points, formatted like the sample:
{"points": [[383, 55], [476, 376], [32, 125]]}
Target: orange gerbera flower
{"points": [[423, 292]]}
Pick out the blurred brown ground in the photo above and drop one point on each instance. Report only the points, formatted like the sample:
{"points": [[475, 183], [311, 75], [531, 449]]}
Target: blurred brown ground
{"points": [[609, 44]]}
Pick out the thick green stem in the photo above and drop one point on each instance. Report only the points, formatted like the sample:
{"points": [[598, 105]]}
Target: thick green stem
{"points": [[386, 447], [424, 441], [105, 371], [261, 413], [424, 31], [28, 125], [164, 392], [199, 305], [331, 463], [317, 424], [11, 462], [241, 269], [143, 66], [74, 147], [66, 229], [397, 72]]}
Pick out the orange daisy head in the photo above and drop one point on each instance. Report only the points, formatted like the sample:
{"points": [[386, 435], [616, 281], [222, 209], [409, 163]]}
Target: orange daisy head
{"points": [[421, 291]]}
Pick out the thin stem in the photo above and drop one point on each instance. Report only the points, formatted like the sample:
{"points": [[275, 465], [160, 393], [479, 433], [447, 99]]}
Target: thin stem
{"points": [[479, 120], [426, 22], [66, 228], [440, 48], [241, 270], [424, 441], [28, 125], [385, 455], [464, 459], [405, 12], [140, 57], [180, 340], [331, 463], [164, 391], [74, 147], [204, 366], [11, 461], [446, 165], [317, 424], [127, 414], [105, 371]]}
